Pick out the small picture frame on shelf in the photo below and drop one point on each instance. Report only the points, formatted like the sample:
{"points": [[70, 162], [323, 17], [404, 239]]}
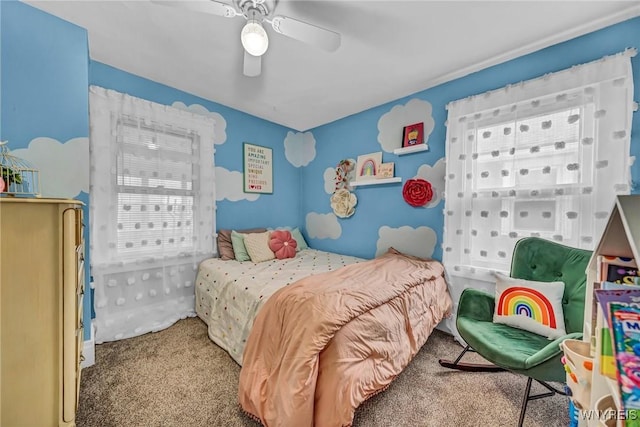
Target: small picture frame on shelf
{"points": [[367, 166], [385, 170], [413, 135]]}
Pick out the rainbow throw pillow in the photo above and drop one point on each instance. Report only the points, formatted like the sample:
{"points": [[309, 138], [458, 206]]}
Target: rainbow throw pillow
{"points": [[533, 306]]}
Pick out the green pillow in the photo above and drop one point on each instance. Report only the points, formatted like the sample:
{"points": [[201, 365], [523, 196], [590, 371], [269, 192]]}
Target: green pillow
{"points": [[237, 241], [297, 236]]}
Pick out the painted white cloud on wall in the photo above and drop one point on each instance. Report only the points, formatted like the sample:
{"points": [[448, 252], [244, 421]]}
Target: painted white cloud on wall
{"points": [[329, 180], [229, 186], [64, 167], [434, 175], [419, 241], [221, 124], [300, 148], [323, 226], [391, 124]]}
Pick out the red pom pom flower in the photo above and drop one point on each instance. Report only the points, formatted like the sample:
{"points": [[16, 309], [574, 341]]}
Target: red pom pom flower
{"points": [[417, 192]]}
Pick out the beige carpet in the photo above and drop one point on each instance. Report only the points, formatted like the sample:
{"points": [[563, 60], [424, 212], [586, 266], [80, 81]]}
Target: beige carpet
{"points": [[178, 377]]}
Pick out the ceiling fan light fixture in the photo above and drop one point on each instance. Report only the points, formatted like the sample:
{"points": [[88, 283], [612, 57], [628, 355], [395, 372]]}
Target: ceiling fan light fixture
{"points": [[254, 38]]}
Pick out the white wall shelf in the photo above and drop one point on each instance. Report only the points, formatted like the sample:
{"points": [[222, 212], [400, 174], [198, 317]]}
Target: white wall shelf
{"points": [[409, 150], [376, 181]]}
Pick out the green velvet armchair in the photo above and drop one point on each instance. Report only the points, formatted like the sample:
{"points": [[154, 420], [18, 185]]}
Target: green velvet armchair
{"points": [[517, 350]]}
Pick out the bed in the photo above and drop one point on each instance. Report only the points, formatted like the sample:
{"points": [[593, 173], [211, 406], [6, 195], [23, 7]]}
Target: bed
{"points": [[229, 293], [318, 334]]}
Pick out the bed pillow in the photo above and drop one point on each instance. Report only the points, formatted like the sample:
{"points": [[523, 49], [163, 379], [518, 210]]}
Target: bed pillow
{"points": [[533, 306], [297, 235], [257, 245], [282, 244], [225, 246], [239, 250]]}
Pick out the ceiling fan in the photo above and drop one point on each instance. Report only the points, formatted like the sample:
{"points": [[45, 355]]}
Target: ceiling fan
{"points": [[253, 36]]}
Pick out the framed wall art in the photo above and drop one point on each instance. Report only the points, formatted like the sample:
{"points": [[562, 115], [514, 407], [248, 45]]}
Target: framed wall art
{"points": [[413, 135], [367, 166], [385, 170], [257, 168]]}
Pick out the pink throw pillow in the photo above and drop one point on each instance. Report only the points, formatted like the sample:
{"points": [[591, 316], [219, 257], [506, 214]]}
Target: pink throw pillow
{"points": [[282, 244]]}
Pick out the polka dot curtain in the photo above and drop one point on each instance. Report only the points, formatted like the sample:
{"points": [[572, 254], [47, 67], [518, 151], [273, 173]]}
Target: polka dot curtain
{"points": [[152, 213], [543, 157]]}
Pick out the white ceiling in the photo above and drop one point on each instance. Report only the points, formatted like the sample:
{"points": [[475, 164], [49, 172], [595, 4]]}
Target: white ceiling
{"points": [[390, 49]]}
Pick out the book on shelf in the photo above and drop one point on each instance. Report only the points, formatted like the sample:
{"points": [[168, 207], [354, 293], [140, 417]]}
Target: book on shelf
{"points": [[625, 326], [608, 293], [620, 305], [616, 269], [611, 271]]}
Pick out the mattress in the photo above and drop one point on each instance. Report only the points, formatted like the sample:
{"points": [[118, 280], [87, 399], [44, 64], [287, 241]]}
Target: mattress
{"points": [[229, 294]]}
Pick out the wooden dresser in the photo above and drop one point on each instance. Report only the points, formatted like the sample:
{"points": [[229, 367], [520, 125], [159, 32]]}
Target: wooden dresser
{"points": [[41, 292]]}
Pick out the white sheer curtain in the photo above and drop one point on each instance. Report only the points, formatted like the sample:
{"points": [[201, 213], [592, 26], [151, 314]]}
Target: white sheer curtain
{"points": [[544, 157], [152, 211]]}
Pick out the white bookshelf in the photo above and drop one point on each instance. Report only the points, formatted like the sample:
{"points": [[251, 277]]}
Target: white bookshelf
{"points": [[621, 237], [375, 181], [409, 150]]}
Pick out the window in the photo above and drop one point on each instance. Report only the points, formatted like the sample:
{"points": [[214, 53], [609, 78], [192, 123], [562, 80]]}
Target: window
{"points": [[152, 211], [541, 158], [157, 185]]}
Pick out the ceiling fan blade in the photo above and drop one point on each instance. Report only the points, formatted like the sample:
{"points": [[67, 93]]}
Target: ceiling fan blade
{"points": [[252, 65], [211, 7], [305, 32]]}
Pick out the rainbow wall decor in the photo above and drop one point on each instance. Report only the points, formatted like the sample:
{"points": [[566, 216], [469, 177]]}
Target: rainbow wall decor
{"points": [[368, 168], [367, 165], [521, 301]]}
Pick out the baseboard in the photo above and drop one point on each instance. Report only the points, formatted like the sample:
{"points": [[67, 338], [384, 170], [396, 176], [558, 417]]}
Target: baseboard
{"points": [[89, 350], [444, 327]]}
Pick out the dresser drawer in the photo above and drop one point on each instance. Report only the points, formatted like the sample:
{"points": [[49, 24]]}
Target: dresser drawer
{"points": [[78, 374], [80, 264], [72, 307], [79, 359], [80, 311], [79, 226], [79, 346]]}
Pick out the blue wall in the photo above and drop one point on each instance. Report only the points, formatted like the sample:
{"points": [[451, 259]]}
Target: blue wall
{"points": [[44, 76], [358, 134]]}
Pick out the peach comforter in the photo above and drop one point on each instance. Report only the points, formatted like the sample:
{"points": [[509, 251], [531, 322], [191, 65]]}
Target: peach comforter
{"points": [[323, 345]]}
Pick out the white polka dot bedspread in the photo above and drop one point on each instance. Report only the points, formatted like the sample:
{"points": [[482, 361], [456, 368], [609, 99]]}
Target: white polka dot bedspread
{"points": [[230, 293]]}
